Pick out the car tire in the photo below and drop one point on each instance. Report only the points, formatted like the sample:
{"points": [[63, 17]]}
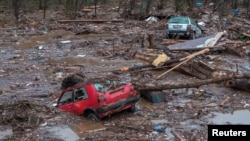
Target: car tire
{"points": [[192, 36], [167, 36], [132, 109], [93, 117]]}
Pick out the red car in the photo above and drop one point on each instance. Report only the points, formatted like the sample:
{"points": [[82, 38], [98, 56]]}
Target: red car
{"points": [[97, 100]]}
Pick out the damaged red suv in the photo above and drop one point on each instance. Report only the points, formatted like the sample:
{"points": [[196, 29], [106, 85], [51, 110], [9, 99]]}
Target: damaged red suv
{"points": [[98, 99]]}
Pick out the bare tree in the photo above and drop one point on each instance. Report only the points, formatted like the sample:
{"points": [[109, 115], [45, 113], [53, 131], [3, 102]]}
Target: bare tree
{"points": [[234, 4], [160, 5], [190, 4], [177, 5], [71, 8], [16, 7], [95, 2], [148, 5], [119, 6], [132, 6]]}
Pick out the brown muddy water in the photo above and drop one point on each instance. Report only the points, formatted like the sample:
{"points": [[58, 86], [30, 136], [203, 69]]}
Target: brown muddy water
{"points": [[87, 126], [60, 36]]}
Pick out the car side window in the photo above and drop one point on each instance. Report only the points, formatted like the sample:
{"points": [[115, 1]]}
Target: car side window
{"points": [[66, 98], [193, 22], [80, 94]]}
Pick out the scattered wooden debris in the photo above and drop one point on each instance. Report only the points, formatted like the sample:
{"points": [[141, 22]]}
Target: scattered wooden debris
{"points": [[184, 60], [198, 69]]}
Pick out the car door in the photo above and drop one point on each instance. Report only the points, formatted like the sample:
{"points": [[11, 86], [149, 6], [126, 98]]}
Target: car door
{"points": [[196, 28], [65, 102], [80, 96]]}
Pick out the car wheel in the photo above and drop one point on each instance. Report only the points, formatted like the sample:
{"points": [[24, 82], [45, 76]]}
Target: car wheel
{"points": [[167, 36], [133, 108], [192, 36], [93, 117]]}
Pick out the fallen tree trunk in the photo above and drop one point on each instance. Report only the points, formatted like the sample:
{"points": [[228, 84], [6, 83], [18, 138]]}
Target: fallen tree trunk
{"points": [[95, 21], [162, 86], [240, 84]]}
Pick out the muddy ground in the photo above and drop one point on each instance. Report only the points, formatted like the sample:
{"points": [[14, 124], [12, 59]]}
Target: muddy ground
{"points": [[36, 56]]}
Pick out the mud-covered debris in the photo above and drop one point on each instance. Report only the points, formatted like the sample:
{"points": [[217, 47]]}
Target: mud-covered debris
{"points": [[72, 80], [197, 69], [22, 115]]}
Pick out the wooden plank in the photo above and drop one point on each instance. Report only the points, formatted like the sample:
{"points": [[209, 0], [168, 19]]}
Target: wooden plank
{"points": [[214, 40]]}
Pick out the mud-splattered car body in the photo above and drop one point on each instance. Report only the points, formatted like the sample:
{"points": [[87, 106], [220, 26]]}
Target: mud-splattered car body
{"points": [[97, 100]]}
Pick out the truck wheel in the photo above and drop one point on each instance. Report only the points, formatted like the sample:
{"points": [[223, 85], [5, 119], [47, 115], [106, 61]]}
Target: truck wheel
{"points": [[93, 117]]}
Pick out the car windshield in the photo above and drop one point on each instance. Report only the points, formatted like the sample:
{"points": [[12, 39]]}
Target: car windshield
{"points": [[107, 85], [182, 20]]}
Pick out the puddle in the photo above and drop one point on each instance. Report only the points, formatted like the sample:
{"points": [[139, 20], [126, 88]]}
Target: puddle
{"points": [[91, 36], [159, 121], [191, 125], [7, 53], [4, 82], [236, 117], [179, 102], [91, 61], [31, 42], [40, 59], [63, 132], [5, 133], [87, 126], [40, 39]]}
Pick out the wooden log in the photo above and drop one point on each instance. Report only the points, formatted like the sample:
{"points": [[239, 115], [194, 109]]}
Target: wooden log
{"points": [[239, 84], [239, 51], [150, 41], [86, 10], [154, 86], [193, 72], [171, 41], [198, 69], [143, 57], [184, 60], [89, 20], [225, 101], [96, 130], [177, 135], [245, 34], [206, 66]]}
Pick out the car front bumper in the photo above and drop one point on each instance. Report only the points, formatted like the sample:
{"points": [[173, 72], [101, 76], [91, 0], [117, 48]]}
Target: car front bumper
{"points": [[180, 33]]}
